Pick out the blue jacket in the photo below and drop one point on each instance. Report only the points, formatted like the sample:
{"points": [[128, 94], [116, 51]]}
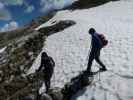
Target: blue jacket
{"points": [[96, 42]]}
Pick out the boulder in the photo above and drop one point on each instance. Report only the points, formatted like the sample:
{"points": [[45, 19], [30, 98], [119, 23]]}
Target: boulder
{"points": [[45, 97], [56, 94]]}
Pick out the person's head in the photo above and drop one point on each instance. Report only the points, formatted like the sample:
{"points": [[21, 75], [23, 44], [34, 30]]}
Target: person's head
{"points": [[92, 31], [44, 55]]}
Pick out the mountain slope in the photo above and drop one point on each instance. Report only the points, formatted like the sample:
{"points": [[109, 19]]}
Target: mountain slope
{"points": [[84, 4], [70, 47]]}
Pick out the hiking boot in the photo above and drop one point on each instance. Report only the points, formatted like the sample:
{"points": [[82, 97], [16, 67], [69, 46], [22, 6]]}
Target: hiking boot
{"points": [[102, 69]]}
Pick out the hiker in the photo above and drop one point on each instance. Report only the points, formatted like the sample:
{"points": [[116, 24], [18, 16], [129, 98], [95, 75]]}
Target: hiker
{"points": [[47, 65], [96, 46]]}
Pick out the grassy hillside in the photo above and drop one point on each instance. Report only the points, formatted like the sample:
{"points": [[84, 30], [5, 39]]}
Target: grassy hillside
{"points": [[11, 36], [8, 37]]}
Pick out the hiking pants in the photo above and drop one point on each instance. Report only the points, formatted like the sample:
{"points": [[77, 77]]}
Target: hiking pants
{"points": [[47, 78], [94, 54], [47, 85]]}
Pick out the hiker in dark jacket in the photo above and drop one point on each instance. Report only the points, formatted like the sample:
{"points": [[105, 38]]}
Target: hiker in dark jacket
{"points": [[96, 46], [47, 65]]}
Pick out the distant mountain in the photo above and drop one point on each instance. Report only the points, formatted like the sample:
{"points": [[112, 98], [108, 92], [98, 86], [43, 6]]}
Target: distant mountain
{"points": [[82, 4], [10, 36]]}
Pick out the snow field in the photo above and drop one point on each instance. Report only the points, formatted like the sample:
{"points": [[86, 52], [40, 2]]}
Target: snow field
{"points": [[70, 47]]}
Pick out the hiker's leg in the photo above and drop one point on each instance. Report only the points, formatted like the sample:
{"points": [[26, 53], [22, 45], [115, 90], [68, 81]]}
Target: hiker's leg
{"points": [[47, 84], [48, 76], [91, 58], [97, 58], [38, 95]]}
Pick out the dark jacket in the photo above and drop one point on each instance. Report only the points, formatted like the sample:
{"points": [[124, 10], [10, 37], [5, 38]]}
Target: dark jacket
{"points": [[47, 64], [96, 42]]}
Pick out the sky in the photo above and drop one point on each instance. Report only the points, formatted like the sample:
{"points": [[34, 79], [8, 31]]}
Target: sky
{"points": [[15, 13]]}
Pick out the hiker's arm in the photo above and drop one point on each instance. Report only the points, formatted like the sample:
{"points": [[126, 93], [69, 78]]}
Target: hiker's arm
{"points": [[52, 61], [39, 68], [41, 65]]}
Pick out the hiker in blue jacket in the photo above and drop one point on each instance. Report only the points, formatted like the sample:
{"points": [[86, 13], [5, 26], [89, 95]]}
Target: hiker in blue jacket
{"points": [[96, 46]]}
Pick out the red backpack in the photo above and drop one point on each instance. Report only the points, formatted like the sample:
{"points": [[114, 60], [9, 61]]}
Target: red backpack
{"points": [[103, 39]]}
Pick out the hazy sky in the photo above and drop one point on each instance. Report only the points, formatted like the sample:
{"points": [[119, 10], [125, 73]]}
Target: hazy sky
{"points": [[14, 13]]}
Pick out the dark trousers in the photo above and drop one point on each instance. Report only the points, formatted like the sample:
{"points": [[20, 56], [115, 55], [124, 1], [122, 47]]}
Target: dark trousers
{"points": [[47, 84], [47, 78], [94, 55]]}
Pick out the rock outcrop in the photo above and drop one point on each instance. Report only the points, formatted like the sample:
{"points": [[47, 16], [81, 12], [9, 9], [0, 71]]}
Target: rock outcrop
{"points": [[16, 60]]}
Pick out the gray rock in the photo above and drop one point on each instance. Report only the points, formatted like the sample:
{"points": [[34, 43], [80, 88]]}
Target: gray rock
{"points": [[56, 94], [46, 97], [29, 97]]}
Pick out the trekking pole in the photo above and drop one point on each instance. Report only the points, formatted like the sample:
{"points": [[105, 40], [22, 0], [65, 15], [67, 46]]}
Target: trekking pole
{"points": [[54, 78], [99, 76]]}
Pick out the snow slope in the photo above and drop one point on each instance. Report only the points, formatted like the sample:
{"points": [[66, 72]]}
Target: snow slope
{"points": [[70, 47], [2, 50]]}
